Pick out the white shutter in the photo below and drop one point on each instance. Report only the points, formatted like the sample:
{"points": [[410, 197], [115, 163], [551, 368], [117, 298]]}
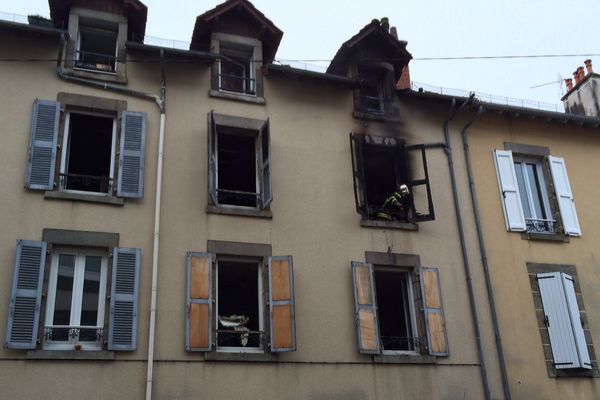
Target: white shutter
{"points": [[509, 190], [566, 204], [567, 339]]}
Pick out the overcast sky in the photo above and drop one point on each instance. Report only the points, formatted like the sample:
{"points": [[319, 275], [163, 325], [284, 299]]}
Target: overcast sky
{"points": [[314, 30]]}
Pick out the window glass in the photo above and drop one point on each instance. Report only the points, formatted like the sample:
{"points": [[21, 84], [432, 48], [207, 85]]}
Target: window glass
{"points": [[534, 196], [237, 179], [97, 49], [90, 297], [63, 298], [236, 74]]}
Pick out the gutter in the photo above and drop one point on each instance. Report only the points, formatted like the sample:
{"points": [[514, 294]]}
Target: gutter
{"points": [[160, 101], [453, 112]]}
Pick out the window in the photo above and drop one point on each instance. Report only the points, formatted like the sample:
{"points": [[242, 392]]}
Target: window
{"points": [[75, 306], [96, 46], [372, 92], [239, 162], [253, 307], [74, 315], [381, 165], [237, 71], [387, 308], [526, 195], [88, 159]]}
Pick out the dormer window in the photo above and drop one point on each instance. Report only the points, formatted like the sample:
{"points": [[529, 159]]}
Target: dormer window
{"points": [[237, 72], [96, 47], [372, 93]]}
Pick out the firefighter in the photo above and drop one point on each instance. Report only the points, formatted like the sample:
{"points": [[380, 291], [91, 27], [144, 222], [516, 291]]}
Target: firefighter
{"points": [[396, 206]]}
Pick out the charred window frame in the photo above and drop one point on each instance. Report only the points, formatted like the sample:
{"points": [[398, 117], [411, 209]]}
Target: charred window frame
{"points": [[375, 96], [380, 165]]}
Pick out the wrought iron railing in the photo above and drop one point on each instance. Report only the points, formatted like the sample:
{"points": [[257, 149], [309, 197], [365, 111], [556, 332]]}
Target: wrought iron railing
{"points": [[237, 84], [535, 225], [240, 338], [401, 343], [86, 183], [73, 334], [238, 197], [95, 61]]}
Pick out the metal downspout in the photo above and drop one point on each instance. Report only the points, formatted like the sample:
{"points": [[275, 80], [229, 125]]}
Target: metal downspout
{"points": [[484, 259], [161, 102], [453, 112]]}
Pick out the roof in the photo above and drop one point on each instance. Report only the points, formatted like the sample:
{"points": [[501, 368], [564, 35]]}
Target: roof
{"points": [[374, 31], [134, 10], [179, 54], [287, 71], [511, 110], [226, 18], [20, 27]]}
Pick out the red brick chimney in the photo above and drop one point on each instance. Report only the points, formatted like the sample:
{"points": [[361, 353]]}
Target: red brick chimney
{"points": [[569, 83], [404, 81], [580, 74], [588, 66], [576, 77]]}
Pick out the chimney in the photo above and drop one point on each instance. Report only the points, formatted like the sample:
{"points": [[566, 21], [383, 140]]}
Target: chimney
{"points": [[404, 81], [588, 66], [580, 73], [394, 33], [569, 83], [385, 23]]}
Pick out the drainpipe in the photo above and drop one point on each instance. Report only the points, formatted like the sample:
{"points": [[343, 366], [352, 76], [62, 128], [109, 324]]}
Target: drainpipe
{"points": [[484, 259], [453, 112], [160, 101]]}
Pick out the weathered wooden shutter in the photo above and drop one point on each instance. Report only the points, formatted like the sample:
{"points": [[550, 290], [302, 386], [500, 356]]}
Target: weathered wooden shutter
{"points": [[435, 323], [42, 145], [564, 194], [281, 304], [419, 180], [122, 330], [365, 309], [509, 190], [567, 339], [199, 302], [358, 171], [131, 156], [212, 158], [26, 294], [266, 191]]}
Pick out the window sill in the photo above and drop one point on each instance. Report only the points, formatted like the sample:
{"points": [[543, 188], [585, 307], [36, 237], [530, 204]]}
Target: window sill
{"points": [[237, 96], [243, 357], [386, 117], [70, 355], [549, 237], [93, 198], [117, 76], [242, 212], [408, 226], [573, 373], [404, 359]]}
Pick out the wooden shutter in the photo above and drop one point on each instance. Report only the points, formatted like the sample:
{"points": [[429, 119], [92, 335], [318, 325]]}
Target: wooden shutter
{"points": [[564, 194], [199, 302], [281, 304], [122, 330], [567, 339], [26, 294], [509, 190], [358, 171], [435, 323], [131, 155], [422, 180], [42, 145], [212, 158], [365, 309], [266, 191]]}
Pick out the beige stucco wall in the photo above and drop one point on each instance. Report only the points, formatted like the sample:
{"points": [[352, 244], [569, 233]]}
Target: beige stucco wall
{"points": [[508, 252], [314, 219]]}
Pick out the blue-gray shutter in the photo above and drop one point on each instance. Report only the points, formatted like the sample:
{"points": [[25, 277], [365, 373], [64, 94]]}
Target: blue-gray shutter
{"points": [[26, 294], [131, 155], [365, 308], [122, 329], [567, 339], [282, 313], [199, 302], [42, 145], [266, 191], [212, 159]]}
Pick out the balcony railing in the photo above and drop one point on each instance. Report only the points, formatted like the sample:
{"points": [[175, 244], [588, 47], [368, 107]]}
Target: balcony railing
{"points": [[535, 225], [73, 334], [240, 338], [237, 84], [238, 197], [86, 183], [95, 61]]}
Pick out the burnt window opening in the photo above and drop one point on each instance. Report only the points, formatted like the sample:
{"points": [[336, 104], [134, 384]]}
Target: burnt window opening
{"points": [[237, 168], [381, 165], [97, 48], [239, 322], [395, 310], [237, 70], [88, 162], [372, 98]]}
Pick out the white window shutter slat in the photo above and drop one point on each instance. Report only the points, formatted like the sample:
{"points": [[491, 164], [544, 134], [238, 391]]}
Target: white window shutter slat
{"points": [[564, 194], [509, 191], [571, 297]]}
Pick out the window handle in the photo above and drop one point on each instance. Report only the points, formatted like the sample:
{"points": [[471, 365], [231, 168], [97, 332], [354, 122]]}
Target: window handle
{"points": [[504, 194], [546, 321]]}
